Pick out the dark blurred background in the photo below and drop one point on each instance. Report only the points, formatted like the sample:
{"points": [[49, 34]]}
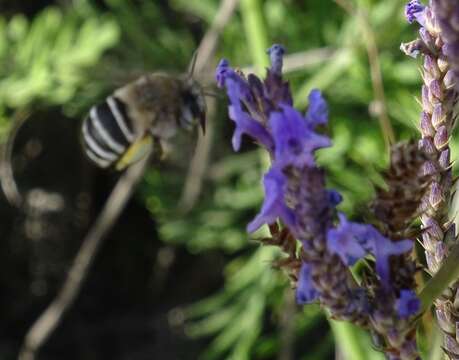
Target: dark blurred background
{"points": [[177, 276]]}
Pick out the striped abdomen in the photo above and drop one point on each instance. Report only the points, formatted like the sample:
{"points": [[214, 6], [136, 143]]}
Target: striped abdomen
{"points": [[108, 132]]}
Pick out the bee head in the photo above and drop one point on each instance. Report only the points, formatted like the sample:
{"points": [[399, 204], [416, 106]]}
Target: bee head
{"points": [[193, 105]]}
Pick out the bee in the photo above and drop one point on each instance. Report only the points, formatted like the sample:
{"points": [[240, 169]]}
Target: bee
{"points": [[141, 114]]}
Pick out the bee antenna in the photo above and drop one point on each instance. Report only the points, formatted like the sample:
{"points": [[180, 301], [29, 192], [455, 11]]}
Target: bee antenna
{"points": [[192, 64]]}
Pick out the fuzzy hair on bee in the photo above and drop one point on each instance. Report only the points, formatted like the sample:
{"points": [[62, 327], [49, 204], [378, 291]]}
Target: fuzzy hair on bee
{"points": [[150, 110]]}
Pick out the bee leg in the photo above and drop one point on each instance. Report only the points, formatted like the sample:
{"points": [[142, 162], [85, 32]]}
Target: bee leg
{"points": [[164, 148], [137, 151], [202, 122]]}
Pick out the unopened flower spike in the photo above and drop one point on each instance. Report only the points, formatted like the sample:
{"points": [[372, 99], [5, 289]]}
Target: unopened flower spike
{"points": [[438, 43]]}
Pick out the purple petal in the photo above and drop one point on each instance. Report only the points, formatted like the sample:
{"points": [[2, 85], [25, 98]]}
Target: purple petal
{"points": [[383, 249], [408, 304], [317, 113], [276, 53], [237, 88], [352, 241], [294, 142], [221, 72], [414, 11], [345, 241], [274, 204], [334, 197], [277, 91], [245, 124], [305, 292]]}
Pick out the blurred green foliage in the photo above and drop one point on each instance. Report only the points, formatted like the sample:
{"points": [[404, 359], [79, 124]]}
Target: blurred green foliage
{"points": [[70, 56], [45, 60]]}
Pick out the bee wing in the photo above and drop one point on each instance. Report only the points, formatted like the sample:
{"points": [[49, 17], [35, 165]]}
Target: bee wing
{"points": [[136, 151]]}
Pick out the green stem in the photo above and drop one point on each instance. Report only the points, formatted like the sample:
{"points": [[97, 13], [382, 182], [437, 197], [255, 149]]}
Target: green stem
{"points": [[255, 32], [347, 340], [448, 273], [436, 351]]}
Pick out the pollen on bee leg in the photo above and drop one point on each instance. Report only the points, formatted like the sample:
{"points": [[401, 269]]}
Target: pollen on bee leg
{"points": [[137, 151]]}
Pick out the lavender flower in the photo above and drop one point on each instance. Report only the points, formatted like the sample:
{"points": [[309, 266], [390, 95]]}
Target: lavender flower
{"points": [[295, 194], [294, 186]]}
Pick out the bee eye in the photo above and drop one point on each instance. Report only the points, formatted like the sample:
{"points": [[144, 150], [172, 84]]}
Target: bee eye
{"points": [[187, 119], [191, 111]]}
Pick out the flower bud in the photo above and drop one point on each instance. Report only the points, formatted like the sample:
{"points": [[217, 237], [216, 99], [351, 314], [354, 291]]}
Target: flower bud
{"points": [[435, 90], [438, 115], [441, 138], [444, 159]]}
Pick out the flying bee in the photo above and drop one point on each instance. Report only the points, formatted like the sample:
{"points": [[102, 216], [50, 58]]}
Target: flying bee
{"points": [[146, 112]]}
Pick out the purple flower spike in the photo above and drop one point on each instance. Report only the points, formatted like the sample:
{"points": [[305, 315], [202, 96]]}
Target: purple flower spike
{"points": [[294, 142], [408, 304], [414, 11], [276, 53], [305, 292], [317, 113], [274, 205], [347, 240], [221, 72]]}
